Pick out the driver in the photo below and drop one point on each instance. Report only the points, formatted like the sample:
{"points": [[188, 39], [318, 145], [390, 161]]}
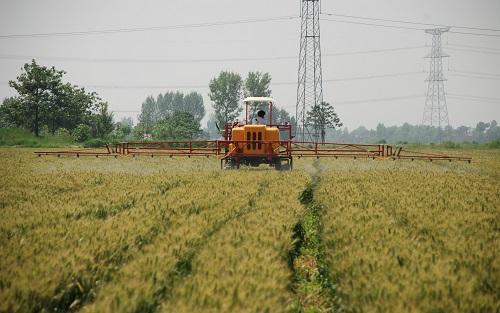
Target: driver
{"points": [[260, 119]]}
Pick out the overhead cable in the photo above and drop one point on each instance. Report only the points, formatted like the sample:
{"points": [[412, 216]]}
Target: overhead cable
{"points": [[411, 22], [409, 27], [473, 47], [475, 97], [143, 29], [373, 24], [215, 60], [474, 76], [476, 73], [474, 50]]}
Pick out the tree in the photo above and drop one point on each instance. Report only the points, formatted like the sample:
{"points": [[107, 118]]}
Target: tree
{"points": [[257, 85], [45, 101], [127, 122], [102, 122], [82, 133], [462, 133], [381, 132], [212, 131], [36, 86], [178, 126], [123, 129], [493, 131], [321, 117], [225, 94], [165, 105], [193, 104], [281, 116], [11, 113], [148, 116]]}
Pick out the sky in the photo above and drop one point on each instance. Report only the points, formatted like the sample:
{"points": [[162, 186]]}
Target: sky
{"points": [[185, 59]]}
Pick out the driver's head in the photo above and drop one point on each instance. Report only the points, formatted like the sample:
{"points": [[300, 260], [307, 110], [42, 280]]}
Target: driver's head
{"points": [[261, 114]]}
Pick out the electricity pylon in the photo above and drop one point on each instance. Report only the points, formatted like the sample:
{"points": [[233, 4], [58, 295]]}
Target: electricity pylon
{"points": [[436, 111], [310, 78]]}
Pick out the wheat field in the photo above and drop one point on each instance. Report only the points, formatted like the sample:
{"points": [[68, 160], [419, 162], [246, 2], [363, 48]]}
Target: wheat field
{"points": [[181, 235]]}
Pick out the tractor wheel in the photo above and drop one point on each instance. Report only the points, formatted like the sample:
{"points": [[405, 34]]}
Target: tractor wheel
{"points": [[286, 167], [277, 165], [229, 165]]}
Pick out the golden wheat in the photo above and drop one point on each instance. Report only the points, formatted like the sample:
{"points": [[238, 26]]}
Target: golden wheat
{"points": [[177, 234], [414, 237]]}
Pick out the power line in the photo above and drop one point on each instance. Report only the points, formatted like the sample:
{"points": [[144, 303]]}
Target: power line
{"points": [[372, 77], [474, 34], [143, 29], [476, 73], [272, 84], [216, 60], [354, 78], [412, 22], [417, 96], [98, 86], [474, 76], [147, 86], [407, 27], [373, 24], [474, 51], [473, 47], [374, 51], [116, 60], [475, 97]]}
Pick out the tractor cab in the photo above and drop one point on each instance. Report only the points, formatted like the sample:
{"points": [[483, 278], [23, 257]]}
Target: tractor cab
{"points": [[252, 106]]}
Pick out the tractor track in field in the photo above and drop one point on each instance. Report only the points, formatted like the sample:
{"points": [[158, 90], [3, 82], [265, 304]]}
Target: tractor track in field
{"points": [[183, 266], [312, 284]]}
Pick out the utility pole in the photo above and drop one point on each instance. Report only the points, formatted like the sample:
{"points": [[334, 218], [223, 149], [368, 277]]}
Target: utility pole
{"points": [[310, 79], [435, 110]]}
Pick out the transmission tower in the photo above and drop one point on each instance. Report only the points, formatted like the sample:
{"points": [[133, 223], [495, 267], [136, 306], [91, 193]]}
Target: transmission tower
{"points": [[310, 80], [436, 111]]}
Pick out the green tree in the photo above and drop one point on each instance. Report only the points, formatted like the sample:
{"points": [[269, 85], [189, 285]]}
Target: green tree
{"points": [[281, 116], [257, 85], [225, 94], [321, 117], [44, 101], [164, 105], [178, 126], [156, 110], [193, 104], [102, 122], [36, 87], [82, 133], [122, 130], [148, 116], [211, 130], [11, 113]]}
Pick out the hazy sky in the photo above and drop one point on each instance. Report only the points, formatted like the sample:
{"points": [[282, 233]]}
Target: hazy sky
{"points": [[261, 40]]}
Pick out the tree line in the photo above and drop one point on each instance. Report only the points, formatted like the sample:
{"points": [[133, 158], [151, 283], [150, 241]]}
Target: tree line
{"points": [[406, 133]]}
